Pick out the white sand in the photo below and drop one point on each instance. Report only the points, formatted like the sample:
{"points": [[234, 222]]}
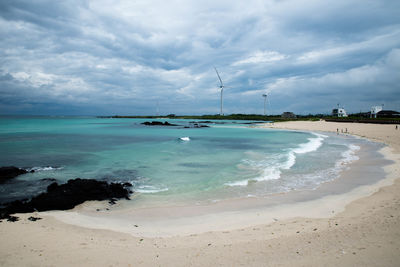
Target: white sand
{"points": [[360, 228]]}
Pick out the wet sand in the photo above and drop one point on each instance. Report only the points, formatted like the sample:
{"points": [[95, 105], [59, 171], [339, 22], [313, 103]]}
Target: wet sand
{"points": [[357, 228]]}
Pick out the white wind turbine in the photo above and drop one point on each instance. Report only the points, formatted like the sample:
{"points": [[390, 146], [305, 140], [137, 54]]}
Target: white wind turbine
{"points": [[222, 91]]}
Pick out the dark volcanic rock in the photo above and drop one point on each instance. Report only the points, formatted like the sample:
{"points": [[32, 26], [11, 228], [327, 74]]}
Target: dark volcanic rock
{"points": [[11, 218], [198, 125], [7, 173], [213, 122], [193, 124], [34, 219], [48, 180], [158, 123], [67, 196], [206, 122]]}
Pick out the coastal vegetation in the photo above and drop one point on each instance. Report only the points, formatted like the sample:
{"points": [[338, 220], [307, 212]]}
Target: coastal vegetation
{"points": [[249, 117], [270, 118]]}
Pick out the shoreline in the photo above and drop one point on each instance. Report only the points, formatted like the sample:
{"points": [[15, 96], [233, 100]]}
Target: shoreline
{"points": [[364, 233], [325, 201]]}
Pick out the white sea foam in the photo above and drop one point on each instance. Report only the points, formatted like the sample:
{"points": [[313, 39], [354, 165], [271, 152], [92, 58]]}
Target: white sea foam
{"points": [[46, 168], [186, 138], [312, 180], [148, 189], [312, 145], [291, 160], [238, 183], [348, 156], [272, 168], [271, 172]]}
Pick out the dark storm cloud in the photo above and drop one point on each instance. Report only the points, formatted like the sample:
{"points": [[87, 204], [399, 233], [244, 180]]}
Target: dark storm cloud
{"points": [[109, 57]]}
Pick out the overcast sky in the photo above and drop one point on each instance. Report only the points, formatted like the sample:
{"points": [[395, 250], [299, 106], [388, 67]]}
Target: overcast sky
{"points": [[134, 57]]}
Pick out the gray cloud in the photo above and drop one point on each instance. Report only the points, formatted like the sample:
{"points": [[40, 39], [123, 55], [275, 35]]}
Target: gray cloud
{"points": [[124, 57]]}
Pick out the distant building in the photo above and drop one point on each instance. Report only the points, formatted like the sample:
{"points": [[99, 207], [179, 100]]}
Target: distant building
{"points": [[375, 110], [387, 114], [288, 115], [339, 112]]}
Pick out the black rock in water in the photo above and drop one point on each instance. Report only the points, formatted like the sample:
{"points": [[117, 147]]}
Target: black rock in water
{"points": [[7, 173], [48, 180], [126, 184], [67, 196], [158, 123], [195, 124], [202, 122]]}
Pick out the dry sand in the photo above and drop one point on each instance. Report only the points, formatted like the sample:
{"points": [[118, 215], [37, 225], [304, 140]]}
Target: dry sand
{"points": [[366, 233]]}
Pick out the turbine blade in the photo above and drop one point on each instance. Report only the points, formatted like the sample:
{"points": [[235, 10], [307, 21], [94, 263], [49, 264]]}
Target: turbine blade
{"points": [[218, 76]]}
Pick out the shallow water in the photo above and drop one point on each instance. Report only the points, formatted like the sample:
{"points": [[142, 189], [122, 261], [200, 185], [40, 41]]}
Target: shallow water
{"points": [[169, 164]]}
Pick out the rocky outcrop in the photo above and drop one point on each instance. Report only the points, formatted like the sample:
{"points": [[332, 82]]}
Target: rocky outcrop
{"points": [[67, 196], [158, 123], [10, 172], [197, 125], [192, 124]]}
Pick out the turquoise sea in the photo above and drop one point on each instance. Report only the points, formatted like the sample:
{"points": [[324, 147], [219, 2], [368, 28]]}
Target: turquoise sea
{"points": [[171, 164]]}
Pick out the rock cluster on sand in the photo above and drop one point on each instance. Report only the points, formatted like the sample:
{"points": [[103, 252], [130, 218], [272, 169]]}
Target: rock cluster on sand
{"points": [[67, 196]]}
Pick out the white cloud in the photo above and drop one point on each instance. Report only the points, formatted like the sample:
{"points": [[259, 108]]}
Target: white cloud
{"points": [[356, 87], [133, 69], [37, 79], [375, 43], [261, 57], [126, 52]]}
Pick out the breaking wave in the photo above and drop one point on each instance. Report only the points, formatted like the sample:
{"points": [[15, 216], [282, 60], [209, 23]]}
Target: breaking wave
{"points": [[46, 168], [273, 166], [148, 189]]}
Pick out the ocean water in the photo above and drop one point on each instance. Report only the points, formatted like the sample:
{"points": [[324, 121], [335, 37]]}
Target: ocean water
{"points": [[169, 164]]}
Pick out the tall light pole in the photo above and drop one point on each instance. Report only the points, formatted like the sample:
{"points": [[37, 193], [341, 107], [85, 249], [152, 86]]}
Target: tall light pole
{"points": [[265, 101]]}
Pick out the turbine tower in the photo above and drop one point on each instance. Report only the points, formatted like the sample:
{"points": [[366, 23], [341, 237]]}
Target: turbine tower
{"points": [[265, 100], [222, 91]]}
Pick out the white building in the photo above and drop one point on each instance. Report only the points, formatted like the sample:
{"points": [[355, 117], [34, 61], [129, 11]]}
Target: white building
{"points": [[339, 112], [375, 110]]}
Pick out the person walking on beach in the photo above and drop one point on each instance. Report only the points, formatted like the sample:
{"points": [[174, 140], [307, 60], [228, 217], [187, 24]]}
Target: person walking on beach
{"points": [[396, 127]]}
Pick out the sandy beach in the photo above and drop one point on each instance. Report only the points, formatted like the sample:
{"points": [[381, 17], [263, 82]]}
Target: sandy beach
{"points": [[358, 228]]}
